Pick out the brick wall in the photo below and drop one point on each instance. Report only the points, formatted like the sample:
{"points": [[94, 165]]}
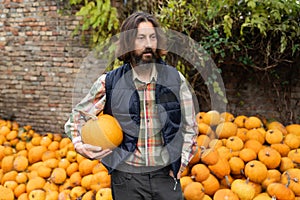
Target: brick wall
{"points": [[40, 62]]}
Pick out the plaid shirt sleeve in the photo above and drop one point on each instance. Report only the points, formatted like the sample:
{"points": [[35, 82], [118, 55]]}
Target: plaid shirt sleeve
{"points": [[190, 128], [91, 105]]}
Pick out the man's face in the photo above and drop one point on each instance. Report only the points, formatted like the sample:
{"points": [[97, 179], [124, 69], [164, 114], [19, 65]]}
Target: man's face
{"points": [[145, 43]]}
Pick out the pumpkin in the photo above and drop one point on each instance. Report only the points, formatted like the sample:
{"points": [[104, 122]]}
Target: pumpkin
{"points": [[6, 193], [274, 136], [88, 195], [242, 133], [20, 163], [58, 175], [270, 157], [211, 118], [193, 191], [283, 149], [277, 125], [280, 191], [254, 134], [253, 144], [203, 141], [292, 140], [35, 183], [37, 195], [75, 179], [200, 172], [234, 143], [240, 121], [184, 181], [291, 178], [225, 193], [210, 156], [35, 154], [253, 122], [196, 158], [86, 166], [19, 190], [44, 171], [7, 163], [204, 129], [21, 177], [273, 175], [237, 165], [293, 129], [77, 192], [262, 196], [256, 171], [72, 168], [226, 130], [242, 189], [9, 176], [247, 154], [210, 185], [285, 164], [104, 194], [221, 168], [227, 117], [100, 180], [294, 155], [104, 131]]}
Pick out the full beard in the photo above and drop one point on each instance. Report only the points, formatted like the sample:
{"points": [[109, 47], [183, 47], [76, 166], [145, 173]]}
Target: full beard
{"points": [[142, 59]]}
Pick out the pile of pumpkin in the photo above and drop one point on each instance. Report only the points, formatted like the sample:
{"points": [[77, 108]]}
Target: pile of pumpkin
{"points": [[238, 158], [243, 157], [46, 167]]}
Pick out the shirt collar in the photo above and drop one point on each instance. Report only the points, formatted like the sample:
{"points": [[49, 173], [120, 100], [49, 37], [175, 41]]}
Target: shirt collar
{"points": [[153, 75]]}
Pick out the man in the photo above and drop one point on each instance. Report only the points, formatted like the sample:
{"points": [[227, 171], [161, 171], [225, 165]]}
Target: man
{"points": [[155, 109]]}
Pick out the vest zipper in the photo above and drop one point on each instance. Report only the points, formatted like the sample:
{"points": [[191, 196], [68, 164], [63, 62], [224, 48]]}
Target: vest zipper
{"points": [[146, 128]]}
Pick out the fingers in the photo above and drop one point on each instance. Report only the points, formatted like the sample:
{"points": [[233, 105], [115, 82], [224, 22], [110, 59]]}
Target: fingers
{"points": [[93, 148], [102, 154]]}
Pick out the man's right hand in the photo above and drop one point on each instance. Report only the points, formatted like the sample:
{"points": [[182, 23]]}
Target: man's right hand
{"points": [[91, 151]]}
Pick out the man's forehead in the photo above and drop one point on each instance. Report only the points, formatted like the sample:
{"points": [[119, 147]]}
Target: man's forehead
{"points": [[145, 27]]}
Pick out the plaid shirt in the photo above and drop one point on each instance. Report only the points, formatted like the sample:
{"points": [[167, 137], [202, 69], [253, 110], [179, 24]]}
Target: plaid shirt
{"points": [[150, 151]]}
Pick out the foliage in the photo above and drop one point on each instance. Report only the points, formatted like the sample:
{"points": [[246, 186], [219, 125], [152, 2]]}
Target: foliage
{"points": [[98, 17]]}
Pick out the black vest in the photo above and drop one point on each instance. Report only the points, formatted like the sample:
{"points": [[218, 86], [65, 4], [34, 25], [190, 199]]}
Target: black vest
{"points": [[122, 102]]}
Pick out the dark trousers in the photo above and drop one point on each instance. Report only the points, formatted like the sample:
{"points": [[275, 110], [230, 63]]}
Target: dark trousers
{"points": [[156, 185]]}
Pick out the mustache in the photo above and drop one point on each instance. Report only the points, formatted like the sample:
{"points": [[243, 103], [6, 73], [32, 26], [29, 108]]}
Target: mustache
{"points": [[148, 50]]}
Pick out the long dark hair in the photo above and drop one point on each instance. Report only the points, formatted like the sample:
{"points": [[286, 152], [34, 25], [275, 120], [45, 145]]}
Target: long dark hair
{"points": [[128, 34]]}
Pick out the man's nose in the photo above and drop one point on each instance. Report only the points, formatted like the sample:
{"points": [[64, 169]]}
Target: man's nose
{"points": [[148, 42]]}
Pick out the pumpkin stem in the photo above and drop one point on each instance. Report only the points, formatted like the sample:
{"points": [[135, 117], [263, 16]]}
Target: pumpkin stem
{"points": [[288, 179], [242, 171], [227, 181], [247, 180]]}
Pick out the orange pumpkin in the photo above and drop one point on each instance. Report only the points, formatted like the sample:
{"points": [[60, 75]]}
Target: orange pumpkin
{"points": [[291, 178], [243, 189], [6, 193], [211, 118], [184, 181], [104, 131], [200, 172], [210, 185], [193, 191], [225, 193], [280, 191], [58, 176], [253, 122], [274, 136], [226, 130], [256, 171], [270, 157]]}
